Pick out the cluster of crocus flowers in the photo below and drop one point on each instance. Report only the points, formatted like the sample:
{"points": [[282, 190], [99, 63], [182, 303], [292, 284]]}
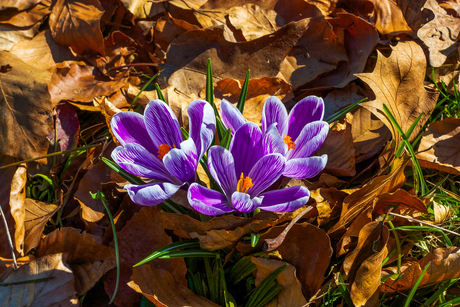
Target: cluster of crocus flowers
{"points": [[247, 173]]}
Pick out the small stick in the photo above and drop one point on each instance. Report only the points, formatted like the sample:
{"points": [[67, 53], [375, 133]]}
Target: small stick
{"points": [[411, 219], [9, 239]]}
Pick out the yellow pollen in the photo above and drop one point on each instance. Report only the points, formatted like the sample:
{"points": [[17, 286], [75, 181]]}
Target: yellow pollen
{"points": [[163, 149], [244, 184], [289, 142]]}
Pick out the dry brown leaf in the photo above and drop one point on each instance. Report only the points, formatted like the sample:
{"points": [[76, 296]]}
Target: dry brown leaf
{"points": [[142, 235], [389, 18], [10, 35], [401, 201], [92, 210], [308, 248], [20, 5], [88, 259], [219, 232], [307, 59], [291, 289], [57, 290], [25, 109], [254, 21], [359, 38], [28, 17], [363, 266], [369, 134], [340, 98], [349, 240], [79, 82], [17, 199], [363, 198], [9, 263], [444, 264], [37, 214], [160, 287], [440, 146], [188, 55], [108, 110], [440, 34], [340, 151], [328, 203], [76, 24], [398, 82]]}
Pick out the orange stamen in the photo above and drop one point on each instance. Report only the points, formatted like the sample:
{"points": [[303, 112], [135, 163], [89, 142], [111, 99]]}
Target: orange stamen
{"points": [[289, 142], [163, 149], [244, 184]]}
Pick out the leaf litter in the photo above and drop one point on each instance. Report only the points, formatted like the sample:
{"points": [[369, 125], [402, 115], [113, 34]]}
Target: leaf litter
{"points": [[67, 67]]}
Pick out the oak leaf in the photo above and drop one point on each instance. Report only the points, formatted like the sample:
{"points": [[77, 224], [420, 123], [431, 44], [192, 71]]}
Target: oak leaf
{"points": [[397, 81]]}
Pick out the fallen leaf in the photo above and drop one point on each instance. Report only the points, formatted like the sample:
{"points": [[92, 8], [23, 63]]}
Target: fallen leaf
{"points": [[340, 98], [389, 19], [42, 51], [10, 35], [254, 21], [443, 265], [188, 56], [369, 134], [291, 289], [108, 110], [67, 128], [160, 287], [76, 24], [88, 259], [357, 202], [9, 263], [30, 16], [17, 199], [397, 81], [442, 213], [439, 148], [141, 236], [92, 210], [79, 82], [340, 151], [37, 214], [363, 266], [57, 290], [401, 201], [25, 109], [349, 240], [308, 248], [20, 5], [360, 39], [328, 203], [219, 232], [439, 34]]}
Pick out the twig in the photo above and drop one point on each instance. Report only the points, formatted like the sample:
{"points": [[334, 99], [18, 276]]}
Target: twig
{"points": [[9, 239], [411, 219]]}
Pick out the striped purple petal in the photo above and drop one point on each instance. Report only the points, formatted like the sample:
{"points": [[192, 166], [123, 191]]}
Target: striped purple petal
{"points": [[273, 142], [182, 162], [310, 140], [307, 110], [273, 112], [246, 148], [136, 160], [207, 201], [244, 203], [222, 168], [284, 200], [151, 194], [162, 124], [202, 122], [129, 127], [266, 171], [304, 168], [231, 116]]}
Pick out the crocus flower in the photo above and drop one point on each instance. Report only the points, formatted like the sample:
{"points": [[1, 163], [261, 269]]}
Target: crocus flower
{"points": [[243, 174], [153, 147], [296, 136]]}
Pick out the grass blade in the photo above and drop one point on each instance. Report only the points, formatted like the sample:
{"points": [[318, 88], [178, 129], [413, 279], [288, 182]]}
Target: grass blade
{"points": [[244, 93], [160, 93], [414, 288], [131, 178]]}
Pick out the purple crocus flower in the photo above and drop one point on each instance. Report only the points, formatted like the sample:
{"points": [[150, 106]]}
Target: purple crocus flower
{"points": [[296, 136], [153, 147], [243, 174]]}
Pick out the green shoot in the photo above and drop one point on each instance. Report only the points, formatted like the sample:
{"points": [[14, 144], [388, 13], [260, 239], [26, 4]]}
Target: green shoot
{"points": [[244, 93]]}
